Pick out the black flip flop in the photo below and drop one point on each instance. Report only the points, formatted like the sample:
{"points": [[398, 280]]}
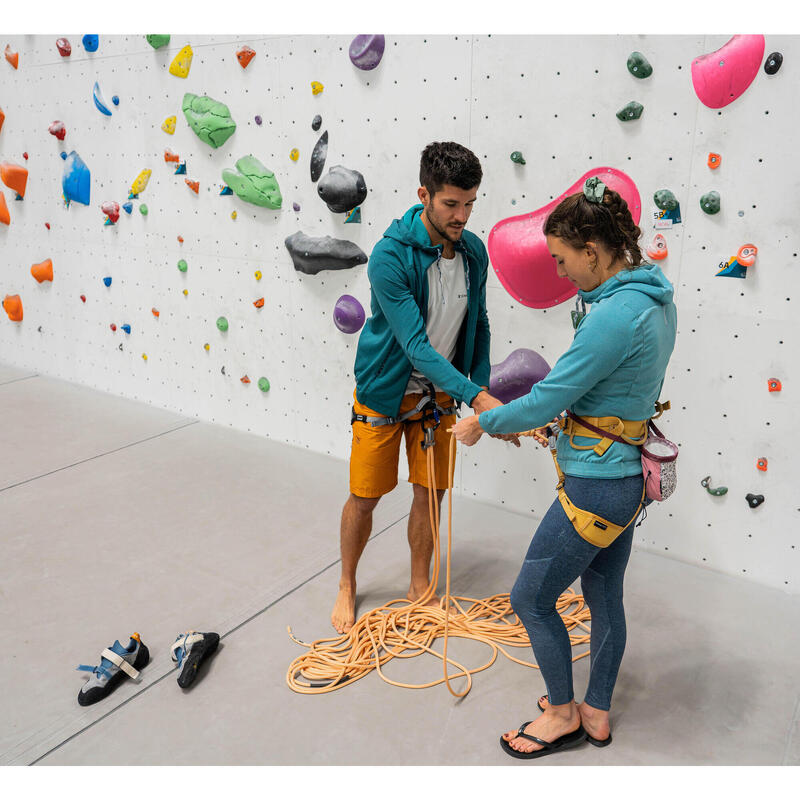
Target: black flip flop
{"points": [[562, 743], [590, 739]]}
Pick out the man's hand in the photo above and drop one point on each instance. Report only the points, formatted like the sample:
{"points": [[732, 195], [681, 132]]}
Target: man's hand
{"points": [[507, 437], [467, 430], [484, 402]]}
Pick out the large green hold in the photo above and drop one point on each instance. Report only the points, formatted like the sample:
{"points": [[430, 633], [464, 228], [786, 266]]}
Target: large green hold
{"points": [[710, 203], [639, 66], [254, 183], [156, 40], [665, 200], [208, 118]]}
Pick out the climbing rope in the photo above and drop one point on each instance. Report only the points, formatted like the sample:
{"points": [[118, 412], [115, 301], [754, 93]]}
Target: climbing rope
{"points": [[404, 629]]}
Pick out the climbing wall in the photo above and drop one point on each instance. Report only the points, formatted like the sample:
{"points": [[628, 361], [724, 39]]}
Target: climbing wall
{"points": [[494, 94]]}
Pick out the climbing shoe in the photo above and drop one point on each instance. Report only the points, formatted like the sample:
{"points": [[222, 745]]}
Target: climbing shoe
{"points": [[116, 664], [189, 651]]}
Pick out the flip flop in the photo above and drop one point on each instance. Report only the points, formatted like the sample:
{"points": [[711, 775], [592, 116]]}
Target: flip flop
{"points": [[590, 739], [562, 743]]}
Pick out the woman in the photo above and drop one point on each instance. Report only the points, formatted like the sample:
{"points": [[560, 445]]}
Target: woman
{"points": [[614, 367]]}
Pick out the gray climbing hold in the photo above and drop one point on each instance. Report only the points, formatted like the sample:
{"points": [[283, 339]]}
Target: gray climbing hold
{"points": [[316, 123], [709, 202], [311, 255], [639, 66], [342, 189], [318, 156], [631, 111], [665, 200]]}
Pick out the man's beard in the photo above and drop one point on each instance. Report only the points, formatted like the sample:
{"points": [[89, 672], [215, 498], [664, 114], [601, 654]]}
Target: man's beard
{"points": [[443, 233]]}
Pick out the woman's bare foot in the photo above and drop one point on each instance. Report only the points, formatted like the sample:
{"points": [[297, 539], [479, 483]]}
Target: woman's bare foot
{"points": [[594, 720], [550, 725], [344, 610]]}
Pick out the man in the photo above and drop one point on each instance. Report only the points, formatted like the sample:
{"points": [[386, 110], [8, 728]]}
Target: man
{"points": [[428, 332]]}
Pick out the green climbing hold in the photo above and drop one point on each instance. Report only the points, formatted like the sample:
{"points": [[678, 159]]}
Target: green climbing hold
{"points": [[517, 158], [631, 111], [143, 210], [182, 265], [709, 202], [639, 66], [665, 200], [208, 118], [222, 324], [156, 40], [254, 183], [263, 384]]}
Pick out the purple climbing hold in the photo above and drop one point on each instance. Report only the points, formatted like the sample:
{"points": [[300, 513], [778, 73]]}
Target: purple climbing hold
{"points": [[515, 376], [366, 50], [258, 119], [348, 314], [296, 206]]}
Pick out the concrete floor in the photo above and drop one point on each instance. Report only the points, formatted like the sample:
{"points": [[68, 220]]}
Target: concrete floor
{"points": [[119, 517]]}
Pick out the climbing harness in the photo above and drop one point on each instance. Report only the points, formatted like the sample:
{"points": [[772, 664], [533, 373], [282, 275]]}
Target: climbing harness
{"points": [[404, 629]]}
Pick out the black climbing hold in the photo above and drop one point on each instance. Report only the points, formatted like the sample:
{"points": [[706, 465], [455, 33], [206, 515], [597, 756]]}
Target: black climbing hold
{"points": [[773, 63], [754, 500], [316, 123], [342, 189], [318, 156], [311, 255]]}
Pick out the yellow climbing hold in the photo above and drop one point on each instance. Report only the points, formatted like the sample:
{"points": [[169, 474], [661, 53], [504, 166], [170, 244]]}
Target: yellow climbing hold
{"points": [[207, 347], [181, 63], [144, 356], [185, 292], [233, 215], [316, 87], [140, 184], [258, 275], [168, 125], [295, 154]]}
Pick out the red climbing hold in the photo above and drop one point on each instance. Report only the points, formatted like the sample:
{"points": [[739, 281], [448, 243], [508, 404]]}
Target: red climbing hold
{"points": [[180, 239], [64, 47], [25, 155], [774, 385], [193, 185], [58, 130], [762, 464], [245, 379], [83, 297], [111, 209], [113, 327], [156, 313], [47, 225]]}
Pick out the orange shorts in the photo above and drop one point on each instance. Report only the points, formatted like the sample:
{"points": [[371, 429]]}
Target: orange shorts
{"points": [[376, 450]]}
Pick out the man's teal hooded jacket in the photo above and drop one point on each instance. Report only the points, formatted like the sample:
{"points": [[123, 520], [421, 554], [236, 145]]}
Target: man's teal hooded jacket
{"points": [[394, 340]]}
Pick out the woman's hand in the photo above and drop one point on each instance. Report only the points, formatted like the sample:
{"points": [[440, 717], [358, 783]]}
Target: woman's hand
{"points": [[468, 430]]}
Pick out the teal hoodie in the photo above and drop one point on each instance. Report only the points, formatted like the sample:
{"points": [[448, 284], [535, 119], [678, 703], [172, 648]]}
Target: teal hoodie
{"points": [[394, 339], [614, 367]]}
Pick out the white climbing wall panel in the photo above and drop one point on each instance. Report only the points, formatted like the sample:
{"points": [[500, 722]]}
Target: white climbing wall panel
{"points": [[552, 97]]}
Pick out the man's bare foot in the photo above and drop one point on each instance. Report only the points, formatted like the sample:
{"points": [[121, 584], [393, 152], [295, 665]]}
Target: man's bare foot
{"points": [[414, 595], [344, 610], [549, 726], [595, 720]]}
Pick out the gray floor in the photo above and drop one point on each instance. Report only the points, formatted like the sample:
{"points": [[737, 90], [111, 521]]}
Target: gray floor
{"points": [[117, 517]]}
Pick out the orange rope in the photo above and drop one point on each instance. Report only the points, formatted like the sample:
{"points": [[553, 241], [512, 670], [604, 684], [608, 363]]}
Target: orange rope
{"points": [[404, 629]]}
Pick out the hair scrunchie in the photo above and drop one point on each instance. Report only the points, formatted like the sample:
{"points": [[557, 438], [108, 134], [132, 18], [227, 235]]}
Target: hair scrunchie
{"points": [[594, 189]]}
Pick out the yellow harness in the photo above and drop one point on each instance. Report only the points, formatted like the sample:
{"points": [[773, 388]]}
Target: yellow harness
{"points": [[593, 528]]}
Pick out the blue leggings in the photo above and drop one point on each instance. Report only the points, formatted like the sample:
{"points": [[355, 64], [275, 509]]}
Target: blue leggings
{"points": [[556, 557]]}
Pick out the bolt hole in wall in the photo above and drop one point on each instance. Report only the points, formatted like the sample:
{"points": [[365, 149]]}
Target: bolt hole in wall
{"points": [[735, 330]]}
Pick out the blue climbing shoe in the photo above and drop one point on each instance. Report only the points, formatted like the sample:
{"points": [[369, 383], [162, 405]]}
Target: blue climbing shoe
{"points": [[116, 664], [189, 651]]}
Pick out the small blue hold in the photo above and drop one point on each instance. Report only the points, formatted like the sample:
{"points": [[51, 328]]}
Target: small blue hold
{"points": [[91, 41], [128, 207], [354, 215], [115, 100], [226, 190], [181, 170], [107, 281], [63, 155], [126, 328]]}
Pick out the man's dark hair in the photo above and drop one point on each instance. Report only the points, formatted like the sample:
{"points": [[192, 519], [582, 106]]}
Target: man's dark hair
{"points": [[448, 163]]}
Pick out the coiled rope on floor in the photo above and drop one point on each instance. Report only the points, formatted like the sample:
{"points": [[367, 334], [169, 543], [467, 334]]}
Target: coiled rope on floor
{"points": [[405, 629]]}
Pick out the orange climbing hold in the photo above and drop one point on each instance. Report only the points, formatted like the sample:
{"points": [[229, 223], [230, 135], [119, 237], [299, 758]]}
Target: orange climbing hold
{"points": [[245, 379], [193, 185], [774, 385], [180, 239], [762, 464], [156, 313], [13, 306], [746, 255], [245, 56], [14, 176], [5, 217], [259, 303], [43, 271], [12, 58], [2, 118], [714, 160], [657, 249], [170, 156]]}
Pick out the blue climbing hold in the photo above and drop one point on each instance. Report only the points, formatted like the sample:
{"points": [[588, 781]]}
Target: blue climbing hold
{"points": [[115, 100], [226, 190], [99, 100], [91, 41], [354, 215], [76, 181], [126, 328], [181, 168], [128, 207], [107, 281], [63, 155]]}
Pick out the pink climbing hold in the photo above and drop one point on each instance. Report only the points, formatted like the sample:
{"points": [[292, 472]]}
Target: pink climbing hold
{"points": [[518, 248], [721, 77]]}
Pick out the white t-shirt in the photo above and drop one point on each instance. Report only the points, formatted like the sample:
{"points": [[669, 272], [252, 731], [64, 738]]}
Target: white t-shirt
{"points": [[447, 307]]}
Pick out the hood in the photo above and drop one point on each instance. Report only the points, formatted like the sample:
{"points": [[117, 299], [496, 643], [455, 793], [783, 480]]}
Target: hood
{"points": [[410, 229], [647, 279]]}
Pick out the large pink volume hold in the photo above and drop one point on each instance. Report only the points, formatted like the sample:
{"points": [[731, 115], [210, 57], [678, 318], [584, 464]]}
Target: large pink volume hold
{"points": [[518, 248], [722, 76]]}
